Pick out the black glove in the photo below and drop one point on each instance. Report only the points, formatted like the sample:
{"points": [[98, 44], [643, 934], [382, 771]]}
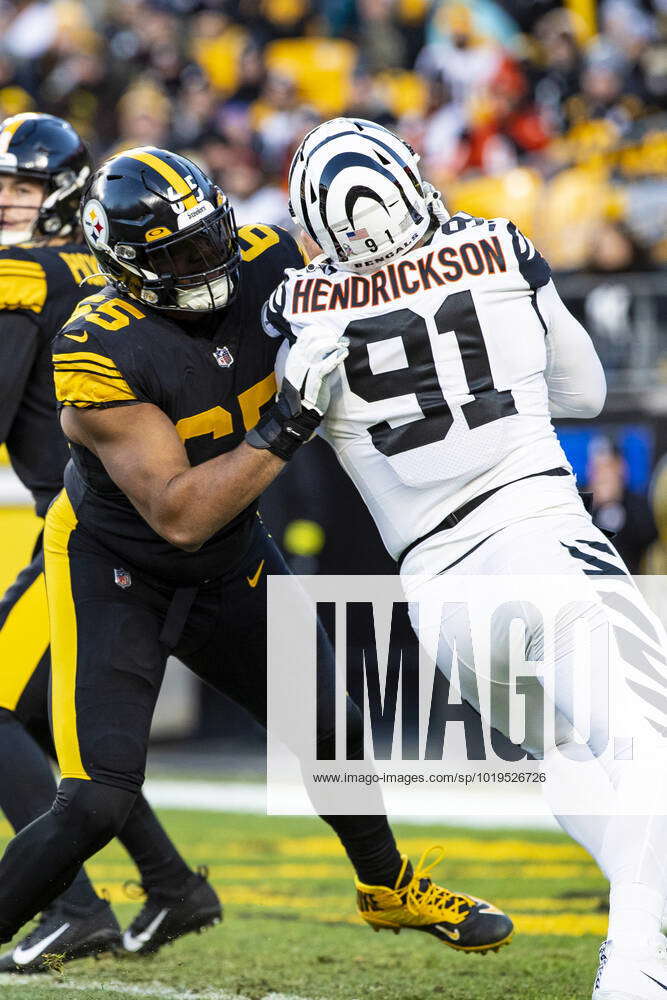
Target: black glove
{"points": [[286, 426]]}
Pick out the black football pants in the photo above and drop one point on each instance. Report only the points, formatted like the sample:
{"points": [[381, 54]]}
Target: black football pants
{"points": [[112, 629], [27, 784]]}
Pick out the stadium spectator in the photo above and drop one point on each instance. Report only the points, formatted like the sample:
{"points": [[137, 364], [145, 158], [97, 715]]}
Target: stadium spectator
{"points": [[479, 87], [618, 510]]}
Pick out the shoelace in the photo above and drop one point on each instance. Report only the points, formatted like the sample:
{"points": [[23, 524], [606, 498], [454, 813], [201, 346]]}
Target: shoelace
{"points": [[434, 899]]}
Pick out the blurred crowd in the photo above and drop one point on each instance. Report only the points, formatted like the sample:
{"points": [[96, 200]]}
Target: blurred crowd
{"points": [[552, 113]]}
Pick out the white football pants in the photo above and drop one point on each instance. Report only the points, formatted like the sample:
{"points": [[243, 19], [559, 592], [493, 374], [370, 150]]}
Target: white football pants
{"points": [[585, 587]]}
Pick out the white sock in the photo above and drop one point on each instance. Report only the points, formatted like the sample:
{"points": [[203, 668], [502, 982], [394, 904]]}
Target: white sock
{"points": [[635, 915], [630, 850], [634, 855]]}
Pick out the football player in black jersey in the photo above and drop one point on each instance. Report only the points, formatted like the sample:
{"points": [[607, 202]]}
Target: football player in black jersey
{"points": [[43, 168], [167, 395]]}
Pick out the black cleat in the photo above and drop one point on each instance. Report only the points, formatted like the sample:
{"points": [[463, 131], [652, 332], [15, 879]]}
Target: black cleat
{"points": [[62, 935], [163, 919]]}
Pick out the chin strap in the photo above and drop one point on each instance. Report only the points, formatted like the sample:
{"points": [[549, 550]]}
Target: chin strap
{"points": [[435, 203]]}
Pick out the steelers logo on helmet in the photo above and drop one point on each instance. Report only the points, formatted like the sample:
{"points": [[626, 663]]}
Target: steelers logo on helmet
{"points": [[95, 223], [162, 231]]}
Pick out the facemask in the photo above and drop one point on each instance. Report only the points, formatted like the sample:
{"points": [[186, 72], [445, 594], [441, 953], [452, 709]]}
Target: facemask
{"points": [[199, 298]]}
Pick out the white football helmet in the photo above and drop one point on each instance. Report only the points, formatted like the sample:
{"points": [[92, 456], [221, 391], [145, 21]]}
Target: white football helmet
{"points": [[355, 188]]}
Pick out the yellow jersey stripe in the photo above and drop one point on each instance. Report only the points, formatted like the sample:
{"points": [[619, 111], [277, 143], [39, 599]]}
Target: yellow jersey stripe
{"points": [[166, 171], [60, 523], [9, 263], [27, 291], [89, 369], [84, 358], [17, 272], [90, 388], [87, 366]]}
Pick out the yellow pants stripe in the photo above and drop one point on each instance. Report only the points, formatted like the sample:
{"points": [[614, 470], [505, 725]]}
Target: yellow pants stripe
{"points": [[60, 523], [24, 638]]}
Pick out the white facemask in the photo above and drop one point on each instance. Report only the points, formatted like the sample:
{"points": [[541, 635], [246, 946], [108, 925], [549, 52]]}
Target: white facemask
{"points": [[199, 298]]}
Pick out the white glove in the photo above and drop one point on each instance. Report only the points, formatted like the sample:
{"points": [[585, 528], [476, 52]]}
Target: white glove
{"points": [[314, 356]]}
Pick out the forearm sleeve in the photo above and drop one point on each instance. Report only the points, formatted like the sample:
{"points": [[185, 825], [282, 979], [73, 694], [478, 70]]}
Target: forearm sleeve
{"points": [[19, 341], [574, 375]]}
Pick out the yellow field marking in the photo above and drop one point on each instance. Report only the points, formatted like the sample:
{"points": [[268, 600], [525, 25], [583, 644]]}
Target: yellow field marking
{"points": [[331, 871], [541, 903], [324, 871], [540, 873], [324, 848], [456, 847], [563, 924], [295, 871], [340, 909]]}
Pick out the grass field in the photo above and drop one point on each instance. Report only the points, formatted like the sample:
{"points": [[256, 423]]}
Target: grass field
{"points": [[290, 928]]}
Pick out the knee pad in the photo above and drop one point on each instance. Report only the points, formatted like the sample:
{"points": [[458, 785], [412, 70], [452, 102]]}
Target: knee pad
{"points": [[91, 810]]}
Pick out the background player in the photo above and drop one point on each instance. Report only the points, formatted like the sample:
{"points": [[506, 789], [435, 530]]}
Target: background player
{"points": [[155, 543], [460, 352], [43, 168]]}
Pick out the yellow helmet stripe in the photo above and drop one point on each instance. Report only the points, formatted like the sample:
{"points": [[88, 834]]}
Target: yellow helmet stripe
{"points": [[179, 184], [12, 127]]}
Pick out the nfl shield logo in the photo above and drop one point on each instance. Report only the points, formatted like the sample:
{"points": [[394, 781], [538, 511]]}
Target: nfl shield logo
{"points": [[223, 356], [122, 578]]}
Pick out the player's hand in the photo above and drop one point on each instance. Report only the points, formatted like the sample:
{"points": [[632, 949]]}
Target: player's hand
{"points": [[304, 394], [315, 355]]}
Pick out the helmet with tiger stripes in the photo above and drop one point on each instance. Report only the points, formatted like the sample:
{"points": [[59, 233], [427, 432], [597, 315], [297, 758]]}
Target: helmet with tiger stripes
{"points": [[356, 189]]}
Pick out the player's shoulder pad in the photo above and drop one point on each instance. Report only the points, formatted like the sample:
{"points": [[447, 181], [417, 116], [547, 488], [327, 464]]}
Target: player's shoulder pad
{"points": [[107, 312], [463, 222], [23, 279], [276, 309], [531, 264], [92, 364], [107, 325], [266, 252]]}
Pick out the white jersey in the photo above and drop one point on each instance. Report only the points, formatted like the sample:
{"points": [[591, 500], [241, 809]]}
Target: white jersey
{"points": [[443, 396]]}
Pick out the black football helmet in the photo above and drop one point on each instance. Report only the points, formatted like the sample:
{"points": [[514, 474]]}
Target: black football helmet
{"points": [[162, 231], [45, 149]]}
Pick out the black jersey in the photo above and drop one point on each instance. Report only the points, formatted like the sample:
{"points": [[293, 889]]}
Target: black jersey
{"points": [[39, 287], [212, 377]]}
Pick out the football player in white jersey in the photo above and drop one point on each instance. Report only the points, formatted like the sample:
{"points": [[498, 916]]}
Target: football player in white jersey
{"points": [[460, 353]]}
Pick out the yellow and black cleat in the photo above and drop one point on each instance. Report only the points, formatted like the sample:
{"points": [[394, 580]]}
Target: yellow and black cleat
{"points": [[460, 921]]}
